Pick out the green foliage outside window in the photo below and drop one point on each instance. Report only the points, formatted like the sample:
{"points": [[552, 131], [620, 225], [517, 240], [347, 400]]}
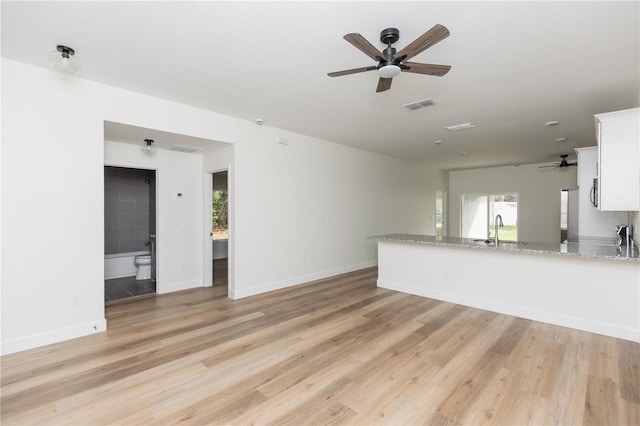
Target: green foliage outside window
{"points": [[220, 214]]}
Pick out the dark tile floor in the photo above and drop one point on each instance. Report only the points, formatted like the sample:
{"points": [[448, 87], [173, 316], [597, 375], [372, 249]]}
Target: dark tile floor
{"points": [[120, 288]]}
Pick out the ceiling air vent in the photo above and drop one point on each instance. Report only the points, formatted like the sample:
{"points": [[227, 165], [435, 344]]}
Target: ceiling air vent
{"points": [[419, 104], [184, 148], [462, 126]]}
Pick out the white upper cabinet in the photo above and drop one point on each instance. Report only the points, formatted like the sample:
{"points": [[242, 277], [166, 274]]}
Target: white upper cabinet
{"points": [[618, 135]]}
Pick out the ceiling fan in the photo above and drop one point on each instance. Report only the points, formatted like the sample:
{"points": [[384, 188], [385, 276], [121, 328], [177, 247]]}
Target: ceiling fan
{"points": [[561, 164], [390, 63]]}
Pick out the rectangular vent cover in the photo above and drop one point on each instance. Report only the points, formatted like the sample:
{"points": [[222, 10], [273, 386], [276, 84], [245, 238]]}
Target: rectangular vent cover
{"points": [[184, 148], [419, 104], [462, 126]]}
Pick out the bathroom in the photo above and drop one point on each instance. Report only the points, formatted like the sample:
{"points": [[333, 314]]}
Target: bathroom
{"points": [[129, 230]]}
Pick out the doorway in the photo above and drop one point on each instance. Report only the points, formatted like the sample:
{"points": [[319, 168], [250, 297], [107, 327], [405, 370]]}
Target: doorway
{"points": [[129, 232], [220, 229], [568, 215], [441, 214]]}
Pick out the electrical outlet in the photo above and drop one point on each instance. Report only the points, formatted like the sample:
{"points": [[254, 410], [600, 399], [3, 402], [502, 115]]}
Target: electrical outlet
{"points": [[75, 301]]}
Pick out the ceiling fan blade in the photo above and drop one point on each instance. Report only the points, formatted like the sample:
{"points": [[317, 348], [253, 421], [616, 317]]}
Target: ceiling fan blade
{"points": [[364, 46], [430, 69], [436, 34], [384, 84], [352, 71], [555, 165]]}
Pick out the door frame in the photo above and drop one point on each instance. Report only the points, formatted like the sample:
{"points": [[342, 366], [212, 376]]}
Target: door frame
{"points": [[134, 165]]}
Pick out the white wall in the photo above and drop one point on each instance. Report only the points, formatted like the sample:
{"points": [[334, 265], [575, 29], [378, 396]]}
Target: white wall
{"points": [[538, 201], [303, 211], [178, 229], [52, 250], [300, 211]]}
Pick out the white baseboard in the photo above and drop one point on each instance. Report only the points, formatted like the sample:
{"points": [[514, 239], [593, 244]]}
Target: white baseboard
{"points": [[584, 324], [54, 336], [277, 285], [182, 285]]}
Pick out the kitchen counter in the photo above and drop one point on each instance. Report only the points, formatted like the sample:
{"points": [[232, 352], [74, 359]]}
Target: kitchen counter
{"points": [[583, 285], [588, 248]]}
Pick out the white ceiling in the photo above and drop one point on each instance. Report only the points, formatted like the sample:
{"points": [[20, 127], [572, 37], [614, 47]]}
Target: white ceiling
{"points": [[515, 66]]}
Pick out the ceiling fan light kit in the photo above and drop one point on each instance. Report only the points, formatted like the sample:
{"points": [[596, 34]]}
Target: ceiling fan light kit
{"points": [[63, 59], [392, 63], [388, 71]]}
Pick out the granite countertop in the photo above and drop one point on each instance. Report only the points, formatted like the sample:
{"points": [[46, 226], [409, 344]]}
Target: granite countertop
{"points": [[589, 248]]}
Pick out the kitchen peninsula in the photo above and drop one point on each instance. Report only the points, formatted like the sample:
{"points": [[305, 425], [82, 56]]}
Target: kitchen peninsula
{"points": [[580, 285]]}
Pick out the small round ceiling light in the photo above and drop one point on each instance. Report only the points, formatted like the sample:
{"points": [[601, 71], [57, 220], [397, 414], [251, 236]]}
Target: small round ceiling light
{"points": [[562, 139], [552, 123], [148, 147], [438, 142], [63, 59], [259, 121]]}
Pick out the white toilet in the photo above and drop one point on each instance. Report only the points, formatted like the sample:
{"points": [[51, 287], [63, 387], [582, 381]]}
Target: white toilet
{"points": [[143, 263]]}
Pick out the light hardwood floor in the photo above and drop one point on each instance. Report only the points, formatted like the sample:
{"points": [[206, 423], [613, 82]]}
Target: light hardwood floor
{"points": [[335, 351]]}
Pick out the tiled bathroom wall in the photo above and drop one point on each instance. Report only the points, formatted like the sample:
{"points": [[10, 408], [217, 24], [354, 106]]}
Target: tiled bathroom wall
{"points": [[127, 211]]}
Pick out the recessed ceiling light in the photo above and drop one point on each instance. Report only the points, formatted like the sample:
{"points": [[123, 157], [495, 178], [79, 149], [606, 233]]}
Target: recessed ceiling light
{"points": [[552, 123], [438, 142], [562, 139], [465, 153]]}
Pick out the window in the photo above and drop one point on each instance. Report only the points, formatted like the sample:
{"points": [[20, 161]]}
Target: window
{"points": [[479, 212]]}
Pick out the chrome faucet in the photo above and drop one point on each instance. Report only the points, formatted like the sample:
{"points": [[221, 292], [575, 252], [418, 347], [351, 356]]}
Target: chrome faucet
{"points": [[496, 223]]}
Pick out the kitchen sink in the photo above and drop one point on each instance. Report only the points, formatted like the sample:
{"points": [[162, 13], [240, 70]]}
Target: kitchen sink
{"points": [[483, 241], [480, 240]]}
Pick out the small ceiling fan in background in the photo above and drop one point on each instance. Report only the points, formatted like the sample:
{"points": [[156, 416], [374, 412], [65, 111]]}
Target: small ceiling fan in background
{"points": [[563, 163], [390, 63]]}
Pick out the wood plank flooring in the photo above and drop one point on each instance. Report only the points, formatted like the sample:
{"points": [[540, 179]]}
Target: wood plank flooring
{"points": [[334, 351]]}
